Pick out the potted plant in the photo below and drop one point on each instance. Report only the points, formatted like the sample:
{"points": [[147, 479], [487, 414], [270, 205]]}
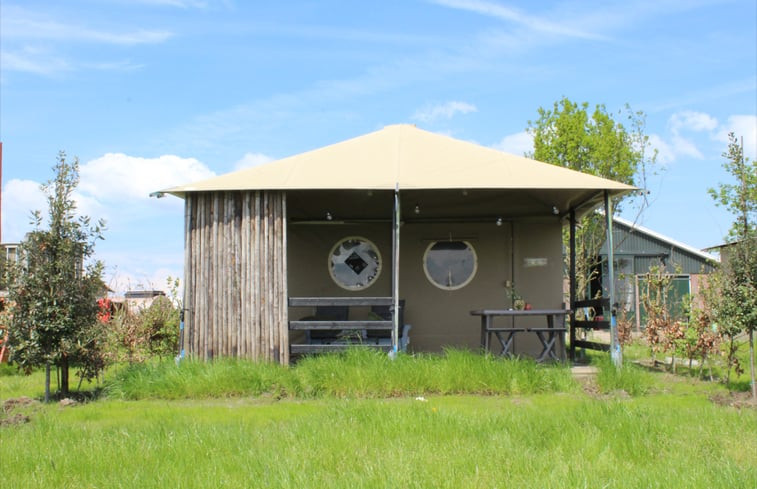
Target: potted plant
{"points": [[517, 302]]}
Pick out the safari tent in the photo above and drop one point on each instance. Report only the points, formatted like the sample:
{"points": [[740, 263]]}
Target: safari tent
{"points": [[441, 225]]}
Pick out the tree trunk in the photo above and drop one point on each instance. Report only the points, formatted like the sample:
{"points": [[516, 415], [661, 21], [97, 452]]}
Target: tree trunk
{"points": [[47, 382], [64, 377], [751, 362], [730, 361]]}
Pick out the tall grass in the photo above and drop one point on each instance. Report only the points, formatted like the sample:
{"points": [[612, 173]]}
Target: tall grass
{"points": [[353, 374], [446, 442], [630, 378], [195, 379]]}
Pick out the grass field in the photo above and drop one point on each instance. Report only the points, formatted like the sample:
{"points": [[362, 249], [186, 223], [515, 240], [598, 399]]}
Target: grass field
{"points": [[302, 430]]}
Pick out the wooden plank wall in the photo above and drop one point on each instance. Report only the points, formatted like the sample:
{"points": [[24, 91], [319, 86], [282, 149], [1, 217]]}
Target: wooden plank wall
{"points": [[235, 275]]}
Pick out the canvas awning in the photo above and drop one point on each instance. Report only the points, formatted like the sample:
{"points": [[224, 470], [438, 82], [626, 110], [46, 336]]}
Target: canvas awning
{"points": [[405, 157]]}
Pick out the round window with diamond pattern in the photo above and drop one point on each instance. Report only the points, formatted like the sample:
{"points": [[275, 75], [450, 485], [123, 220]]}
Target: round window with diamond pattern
{"points": [[354, 263]]}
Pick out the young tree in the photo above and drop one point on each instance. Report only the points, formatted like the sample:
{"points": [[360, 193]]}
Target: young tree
{"points": [[736, 305], [54, 295], [594, 142], [740, 198]]}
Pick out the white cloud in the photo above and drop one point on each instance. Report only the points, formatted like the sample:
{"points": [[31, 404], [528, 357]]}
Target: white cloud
{"points": [[176, 3], [534, 23], [742, 126], [665, 153], [686, 127], [117, 178], [443, 111], [35, 61], [518, 144], [26, 25], [122, 281], [252, 159], [684, 147], [20, 199], [32, 42], [115, 187], [692, 121]]}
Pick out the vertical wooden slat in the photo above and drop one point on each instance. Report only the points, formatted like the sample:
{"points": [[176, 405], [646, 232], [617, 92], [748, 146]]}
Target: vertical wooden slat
{"points": [[266, 332], [207, 258], [284, 295], [204, 263], [277, 274], [246, 279], [227, 324], [255, 258], [186, 303], [235, 275]]}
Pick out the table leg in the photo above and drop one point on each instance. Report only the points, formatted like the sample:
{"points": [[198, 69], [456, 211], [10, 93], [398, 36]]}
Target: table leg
{"points": [[485, 332], [507, 344], [548, 344]]}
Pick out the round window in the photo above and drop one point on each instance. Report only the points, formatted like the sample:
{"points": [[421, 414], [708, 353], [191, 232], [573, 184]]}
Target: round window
{"points": [[450, 265], [354, 263]]}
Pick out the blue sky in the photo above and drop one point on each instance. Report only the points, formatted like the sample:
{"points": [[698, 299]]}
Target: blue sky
{"points": [[154, 93]]}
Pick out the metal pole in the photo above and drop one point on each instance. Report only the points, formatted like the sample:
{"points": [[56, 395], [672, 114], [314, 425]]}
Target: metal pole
{"points": [[396, 270], [615, 352]]}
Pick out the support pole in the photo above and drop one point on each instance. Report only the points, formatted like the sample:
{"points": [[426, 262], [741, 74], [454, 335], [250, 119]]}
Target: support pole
{"points": [[572, 285], [615, 352], [396, 270]]}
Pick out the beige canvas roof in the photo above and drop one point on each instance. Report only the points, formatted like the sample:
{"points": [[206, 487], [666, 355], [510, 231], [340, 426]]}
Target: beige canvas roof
{"points": [[404, 156]]}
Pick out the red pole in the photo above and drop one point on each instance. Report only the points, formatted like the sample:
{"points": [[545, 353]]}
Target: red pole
{"points": [[1, 191]]}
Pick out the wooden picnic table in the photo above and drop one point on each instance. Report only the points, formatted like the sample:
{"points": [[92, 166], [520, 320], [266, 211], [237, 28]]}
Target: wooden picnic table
{"points": [[547, 335]]}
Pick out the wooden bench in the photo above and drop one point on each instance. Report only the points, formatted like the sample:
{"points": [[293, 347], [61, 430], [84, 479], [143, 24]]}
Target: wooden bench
{"points": [[338, 332]]}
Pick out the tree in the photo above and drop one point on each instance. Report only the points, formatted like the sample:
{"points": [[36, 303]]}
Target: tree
{"points": [[53, 294], [569, 135], [736, 304]]}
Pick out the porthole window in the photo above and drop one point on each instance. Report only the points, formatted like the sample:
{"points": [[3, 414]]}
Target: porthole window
{"points": [[450, 265], [354, 263]]}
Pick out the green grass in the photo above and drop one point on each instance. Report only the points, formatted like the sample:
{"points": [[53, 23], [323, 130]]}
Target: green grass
{"points": [[15, 384], [739, 382], [630, 378], [362, 420], [542, 440], [353, 374]]}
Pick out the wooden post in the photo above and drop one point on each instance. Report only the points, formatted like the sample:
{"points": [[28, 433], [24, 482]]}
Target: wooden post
{"points": [[572, 280]]}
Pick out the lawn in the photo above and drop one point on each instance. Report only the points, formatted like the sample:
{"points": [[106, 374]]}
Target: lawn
{"points": [[299, 430]]}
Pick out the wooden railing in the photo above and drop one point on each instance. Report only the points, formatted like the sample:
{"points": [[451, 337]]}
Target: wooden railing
{"points": [[599, 306]]}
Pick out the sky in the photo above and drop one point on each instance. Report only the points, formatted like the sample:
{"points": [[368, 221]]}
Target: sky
{"points": [[149, 94]]}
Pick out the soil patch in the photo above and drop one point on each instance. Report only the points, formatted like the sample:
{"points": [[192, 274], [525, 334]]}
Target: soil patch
{"points": [[17, 411], [738, 400]]}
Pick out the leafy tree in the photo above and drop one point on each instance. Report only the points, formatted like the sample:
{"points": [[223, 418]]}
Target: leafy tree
{"points": [[136, 336], [568, 136], [739, 198], [736, 304], [54, 295], [573, 136]]}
